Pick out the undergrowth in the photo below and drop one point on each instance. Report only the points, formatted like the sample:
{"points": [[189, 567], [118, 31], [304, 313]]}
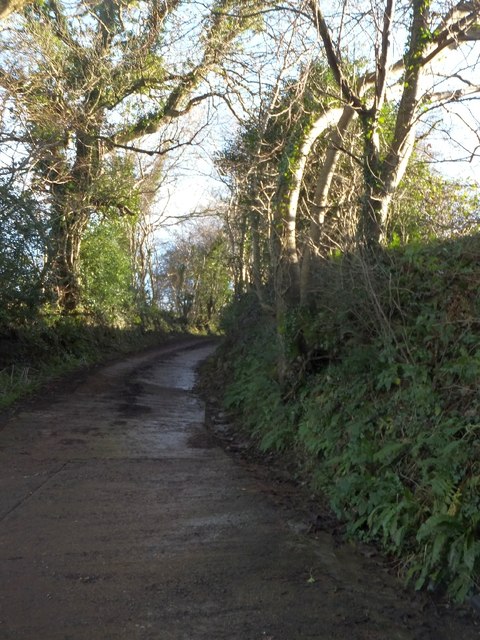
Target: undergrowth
{"points": [[381, 404]]}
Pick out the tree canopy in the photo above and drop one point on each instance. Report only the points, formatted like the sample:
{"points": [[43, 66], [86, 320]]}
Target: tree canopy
{"points": [[83, 84]]}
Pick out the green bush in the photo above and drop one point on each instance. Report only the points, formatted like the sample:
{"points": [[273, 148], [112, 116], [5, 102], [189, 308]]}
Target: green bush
{"points": [[107, 272]]}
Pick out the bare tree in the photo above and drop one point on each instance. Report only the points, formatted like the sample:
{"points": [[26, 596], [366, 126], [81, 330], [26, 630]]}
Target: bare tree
{"points": [[366, 96], [390, 100], [252, 160]]}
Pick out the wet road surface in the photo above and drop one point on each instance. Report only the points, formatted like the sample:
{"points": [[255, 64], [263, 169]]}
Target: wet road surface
{"points": [[120, 519]]}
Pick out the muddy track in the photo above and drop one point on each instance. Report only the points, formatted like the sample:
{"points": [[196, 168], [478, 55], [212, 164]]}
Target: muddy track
{"points": [[121, 519]]}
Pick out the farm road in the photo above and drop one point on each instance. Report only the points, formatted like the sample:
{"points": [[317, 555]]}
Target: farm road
{"points": [[121, 519]]}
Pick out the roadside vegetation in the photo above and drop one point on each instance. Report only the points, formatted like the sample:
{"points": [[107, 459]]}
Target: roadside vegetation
{"points": [[353, 344], [381, 412]]}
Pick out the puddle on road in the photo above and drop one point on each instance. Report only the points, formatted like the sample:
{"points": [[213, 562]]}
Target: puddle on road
{"points": [[177, 372], [159, 416]]}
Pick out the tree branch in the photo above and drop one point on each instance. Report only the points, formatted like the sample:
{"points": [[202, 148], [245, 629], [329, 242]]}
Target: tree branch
{"points": [[348, 94], [10, 6], [459, 25], [382, 66]]}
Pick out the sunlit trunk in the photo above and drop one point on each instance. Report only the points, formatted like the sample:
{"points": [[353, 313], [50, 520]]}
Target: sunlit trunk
{"points": [[321, 199]]}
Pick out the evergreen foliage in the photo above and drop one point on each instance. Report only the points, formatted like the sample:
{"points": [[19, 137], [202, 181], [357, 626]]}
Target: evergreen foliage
{"points": [[107, 272], [22, 245]]}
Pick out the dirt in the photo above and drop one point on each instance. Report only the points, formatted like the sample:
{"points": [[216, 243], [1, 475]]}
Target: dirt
{"points": [[121, 518]]}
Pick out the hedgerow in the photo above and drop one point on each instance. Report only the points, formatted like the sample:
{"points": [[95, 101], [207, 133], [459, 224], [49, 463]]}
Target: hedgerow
{"points": [[382, 405]]}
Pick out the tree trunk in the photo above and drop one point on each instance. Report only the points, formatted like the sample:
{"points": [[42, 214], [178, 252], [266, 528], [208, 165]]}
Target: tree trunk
{"points": [[321, 199], [72, 210], [67, 233], [371, 223], [288, 257], [383, 176], [257, 257]]}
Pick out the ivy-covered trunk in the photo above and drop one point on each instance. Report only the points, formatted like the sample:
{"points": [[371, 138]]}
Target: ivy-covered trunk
{"points": [[373, 209], [383, 172], [67, 231], [65, 271], [71, 212]]}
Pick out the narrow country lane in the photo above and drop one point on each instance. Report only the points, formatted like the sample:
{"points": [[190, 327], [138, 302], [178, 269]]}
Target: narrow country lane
{"points": [[120, 520]]}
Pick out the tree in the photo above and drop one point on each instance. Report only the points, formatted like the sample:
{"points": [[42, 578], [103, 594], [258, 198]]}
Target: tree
{"points": [[194, 277], [365, 91], [429, 205], [428, 38], [87, 81]]}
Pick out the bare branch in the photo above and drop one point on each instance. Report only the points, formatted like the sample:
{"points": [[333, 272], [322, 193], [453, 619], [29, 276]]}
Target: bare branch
{"points": [[347, 92], [10, 6], [382, 64]]}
